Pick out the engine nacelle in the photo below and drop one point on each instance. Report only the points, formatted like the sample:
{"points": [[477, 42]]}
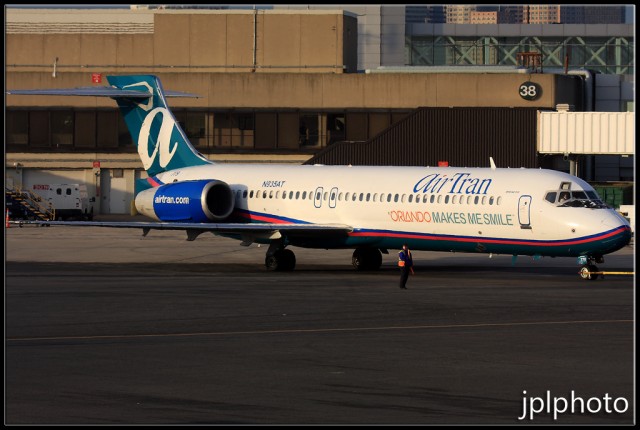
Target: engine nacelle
{"points": [[187, 201]]}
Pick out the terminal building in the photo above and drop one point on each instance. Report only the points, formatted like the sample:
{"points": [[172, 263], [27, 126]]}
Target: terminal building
{"points": [[316, 85]]}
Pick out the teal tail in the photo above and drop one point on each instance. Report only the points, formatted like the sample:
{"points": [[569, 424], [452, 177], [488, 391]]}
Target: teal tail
{"points": [[162, 144]]}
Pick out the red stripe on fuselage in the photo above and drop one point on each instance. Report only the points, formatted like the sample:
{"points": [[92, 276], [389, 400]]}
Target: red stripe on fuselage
{"points": [[153, 182], [487, 240], [262, 218]]}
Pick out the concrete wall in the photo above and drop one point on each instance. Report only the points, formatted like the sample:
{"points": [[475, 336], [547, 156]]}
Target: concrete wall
{"points": [[314, 91], [198, 41]]}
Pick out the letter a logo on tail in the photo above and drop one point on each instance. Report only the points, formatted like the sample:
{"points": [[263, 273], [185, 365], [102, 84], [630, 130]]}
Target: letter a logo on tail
{"points": [[162, 145]]}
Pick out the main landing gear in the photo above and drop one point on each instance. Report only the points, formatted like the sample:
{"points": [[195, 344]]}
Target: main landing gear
{"points": [[284, 260], [279, 259], [587, 271], [366, 259]]}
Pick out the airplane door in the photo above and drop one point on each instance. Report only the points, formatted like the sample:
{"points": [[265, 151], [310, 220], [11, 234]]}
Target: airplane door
{"points": [[333, 196], [317, 197], [524, 211]]}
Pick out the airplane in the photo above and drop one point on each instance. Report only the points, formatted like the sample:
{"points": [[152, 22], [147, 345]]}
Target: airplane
{"points": [[370, 209]]}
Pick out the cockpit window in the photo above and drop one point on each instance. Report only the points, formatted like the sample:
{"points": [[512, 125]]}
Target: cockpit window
{"points": [[575, 199], [551, 197]]}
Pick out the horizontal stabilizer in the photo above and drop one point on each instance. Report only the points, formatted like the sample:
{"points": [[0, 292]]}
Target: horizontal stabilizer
{"points": [[97, 92]]}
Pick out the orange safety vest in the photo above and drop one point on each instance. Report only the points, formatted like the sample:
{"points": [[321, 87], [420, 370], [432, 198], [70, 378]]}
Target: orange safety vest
{"points": [[400, 261]]}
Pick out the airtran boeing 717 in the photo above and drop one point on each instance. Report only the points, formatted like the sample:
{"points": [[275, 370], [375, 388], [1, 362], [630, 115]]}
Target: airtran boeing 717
{"points": [[491, 210]]}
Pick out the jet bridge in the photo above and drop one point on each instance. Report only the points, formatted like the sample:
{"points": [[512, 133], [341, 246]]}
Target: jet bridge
{"points": [[585, 133]]}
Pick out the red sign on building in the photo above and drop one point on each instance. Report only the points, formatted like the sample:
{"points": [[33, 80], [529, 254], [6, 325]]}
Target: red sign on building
{"points": [[96, 78], [96, 164], [443, 164]]}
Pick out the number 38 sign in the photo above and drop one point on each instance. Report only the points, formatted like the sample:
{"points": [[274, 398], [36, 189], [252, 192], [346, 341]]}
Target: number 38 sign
{"points": [[529, 90]]}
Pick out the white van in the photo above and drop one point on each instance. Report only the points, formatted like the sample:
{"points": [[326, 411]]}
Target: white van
{"points": [[70, 201]]}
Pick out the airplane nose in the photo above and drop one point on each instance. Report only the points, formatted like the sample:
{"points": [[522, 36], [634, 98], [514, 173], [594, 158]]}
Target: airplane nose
{"points": [[615, 220], [619, 231]]}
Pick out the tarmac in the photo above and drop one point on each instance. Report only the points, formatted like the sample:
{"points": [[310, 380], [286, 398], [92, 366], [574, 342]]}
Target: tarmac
{"points": [[104, 326]]}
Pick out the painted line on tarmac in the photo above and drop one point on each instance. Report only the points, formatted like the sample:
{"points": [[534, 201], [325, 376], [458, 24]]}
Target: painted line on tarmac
{"points": [[319, 330]]}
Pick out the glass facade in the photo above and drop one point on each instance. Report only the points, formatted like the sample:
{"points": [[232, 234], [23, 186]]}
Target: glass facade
{"points": [[82, 130]]}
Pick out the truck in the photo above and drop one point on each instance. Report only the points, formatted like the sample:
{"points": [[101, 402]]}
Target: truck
{"points": [[70, 201]]}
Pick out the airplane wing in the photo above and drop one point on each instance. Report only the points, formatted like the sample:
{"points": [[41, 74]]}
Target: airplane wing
{"points": [[249, 231]]}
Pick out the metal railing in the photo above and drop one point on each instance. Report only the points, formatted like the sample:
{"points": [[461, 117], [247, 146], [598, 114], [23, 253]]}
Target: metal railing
{"points": [[34, 201]]}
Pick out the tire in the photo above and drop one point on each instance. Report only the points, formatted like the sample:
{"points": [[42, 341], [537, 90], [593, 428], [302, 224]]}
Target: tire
{"points": [[271, 262], [585, 272], [283, 260], [366, 259]]}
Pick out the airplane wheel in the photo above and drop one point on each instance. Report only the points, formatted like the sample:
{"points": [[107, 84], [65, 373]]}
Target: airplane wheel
{"points": [[281, 260], [585, 272], [288, 259], [271, 262], [366, 259]]}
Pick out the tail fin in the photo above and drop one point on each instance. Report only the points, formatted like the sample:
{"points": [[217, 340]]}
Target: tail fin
{"points": [[152, 126], [162, 144]]}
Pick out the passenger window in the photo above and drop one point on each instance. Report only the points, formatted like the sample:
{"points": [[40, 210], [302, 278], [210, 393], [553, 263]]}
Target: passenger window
{"points": [[396, 198], [484, 200], [491, 200], [499, 201], [389, 198], [446, 200], [433, 198], [304, 195], [410, 198]]}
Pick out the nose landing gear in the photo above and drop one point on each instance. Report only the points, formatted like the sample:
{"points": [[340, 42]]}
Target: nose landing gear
{"points": [[589, 271]]}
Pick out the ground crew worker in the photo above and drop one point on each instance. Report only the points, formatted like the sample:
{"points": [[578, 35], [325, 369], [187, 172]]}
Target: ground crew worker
{"points": [[405, 262]]}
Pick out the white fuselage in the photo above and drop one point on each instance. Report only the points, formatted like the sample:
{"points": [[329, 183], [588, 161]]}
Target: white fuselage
{"points": [[457, 209]]}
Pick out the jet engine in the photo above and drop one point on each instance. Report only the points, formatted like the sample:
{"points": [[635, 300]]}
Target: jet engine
{"points": [[187, 201]]}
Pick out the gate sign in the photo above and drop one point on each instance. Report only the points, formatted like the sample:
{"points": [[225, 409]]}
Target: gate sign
{"points": [[529, 90], [96, 78], [96, 164]]}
